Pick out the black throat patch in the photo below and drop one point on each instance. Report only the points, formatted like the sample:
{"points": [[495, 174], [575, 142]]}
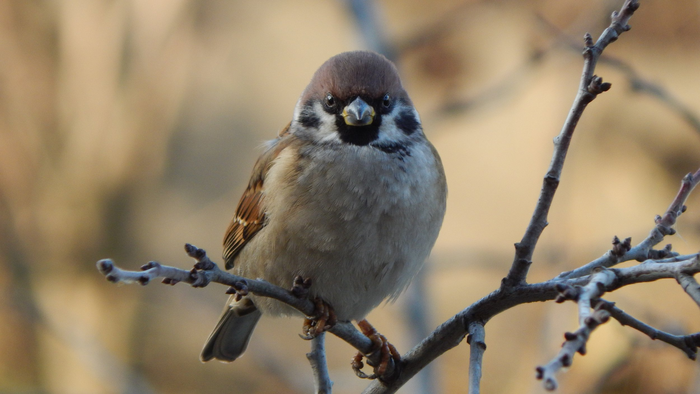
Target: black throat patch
{"points": [[358, 135]]}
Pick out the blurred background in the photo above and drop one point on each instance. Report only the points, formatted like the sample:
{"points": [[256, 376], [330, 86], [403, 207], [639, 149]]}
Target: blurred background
{"points": [[128, 128]]}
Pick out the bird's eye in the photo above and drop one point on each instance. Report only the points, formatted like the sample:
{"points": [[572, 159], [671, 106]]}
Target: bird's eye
{"points": [[386, 101], [330, 101]]}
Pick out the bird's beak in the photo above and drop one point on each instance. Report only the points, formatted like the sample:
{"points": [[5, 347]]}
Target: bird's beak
{"points": [[358, 113]]}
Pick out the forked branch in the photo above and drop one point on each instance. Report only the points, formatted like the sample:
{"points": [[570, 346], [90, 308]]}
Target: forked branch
{"points": [[590, 87]]}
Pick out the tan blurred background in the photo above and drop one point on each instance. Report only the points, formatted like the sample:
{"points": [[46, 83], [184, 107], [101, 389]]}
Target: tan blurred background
{"points": [[128, 128]]}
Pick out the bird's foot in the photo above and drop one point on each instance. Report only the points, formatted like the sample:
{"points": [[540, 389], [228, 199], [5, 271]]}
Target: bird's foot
{"points": [[323, 320], [384, 357]]}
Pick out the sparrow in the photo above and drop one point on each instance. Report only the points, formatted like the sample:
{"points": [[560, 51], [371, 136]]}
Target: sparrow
{"points": [[350, 195]]}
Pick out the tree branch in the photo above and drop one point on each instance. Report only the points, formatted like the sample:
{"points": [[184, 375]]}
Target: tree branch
{"points": [[205, 271], [601, 281], [636, 82], [575, 343], [589, 88], [588, 321], [317, 359], [690, 286], [677, 207], [451, 333], [686, 343], [476, 340]]}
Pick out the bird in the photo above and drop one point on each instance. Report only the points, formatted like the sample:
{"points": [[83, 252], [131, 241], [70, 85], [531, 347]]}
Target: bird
{"points": [[350, 197]]}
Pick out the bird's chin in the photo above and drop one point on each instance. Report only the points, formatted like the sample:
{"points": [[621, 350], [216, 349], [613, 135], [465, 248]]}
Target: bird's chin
{"points": [[358, 135]]}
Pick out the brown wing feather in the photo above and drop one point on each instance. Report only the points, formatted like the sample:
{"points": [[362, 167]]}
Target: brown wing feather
{"points": [[250, 214]]}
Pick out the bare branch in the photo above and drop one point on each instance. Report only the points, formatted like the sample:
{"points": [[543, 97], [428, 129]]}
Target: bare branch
{"points": [[690, 285], [445, 337], [677, 207], [687, 343], [575, 343], [588, 321], [601, 281], [205, 271], [651, 270], [589, 87], [317, 359], [663, 227], [476, 340], [450, 333], [636, 82]]}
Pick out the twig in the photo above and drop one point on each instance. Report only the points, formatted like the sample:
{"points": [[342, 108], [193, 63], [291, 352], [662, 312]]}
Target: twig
{"points": [[575, 343], [690, 286], [686, 343], [589, 87], [663, 226], [678, 205], [588, 321], [601, 281], [636, 82], [205, 271], [317, 359], [476, 340]]}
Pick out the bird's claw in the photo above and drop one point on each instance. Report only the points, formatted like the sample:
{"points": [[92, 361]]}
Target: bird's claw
{"points": [[323, 320], [384, 357]]}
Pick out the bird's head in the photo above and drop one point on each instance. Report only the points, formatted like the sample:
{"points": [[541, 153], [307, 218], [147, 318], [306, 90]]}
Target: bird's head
{"points": [[356, 98]]}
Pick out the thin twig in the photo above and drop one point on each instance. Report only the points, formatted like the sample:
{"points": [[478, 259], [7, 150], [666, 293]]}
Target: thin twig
{"points": [[589, 87], [690, 286], [476, 340], [686, 343], [205, 271], [637, 83], [588, 321], [317, 359], [601, 281], [677, 207], [575, 343]]}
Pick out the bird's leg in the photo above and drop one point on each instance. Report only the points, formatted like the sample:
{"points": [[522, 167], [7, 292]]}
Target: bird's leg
{"points": [[324, 316], [384, 357]]}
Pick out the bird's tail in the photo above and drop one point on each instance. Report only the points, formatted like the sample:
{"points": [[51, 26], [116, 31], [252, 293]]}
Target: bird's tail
{"points": [[230, 337]]}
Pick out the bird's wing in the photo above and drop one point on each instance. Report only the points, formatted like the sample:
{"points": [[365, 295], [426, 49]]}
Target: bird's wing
{"points": [[250, 214]]}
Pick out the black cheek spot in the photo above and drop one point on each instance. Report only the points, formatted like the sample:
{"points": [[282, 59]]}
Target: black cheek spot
{"points": [[407, 122], [308, 118]]}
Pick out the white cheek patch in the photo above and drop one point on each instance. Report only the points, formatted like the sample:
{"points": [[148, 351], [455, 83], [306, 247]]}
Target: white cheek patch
{"points": [[389, 131], [327, 131], [324, 129]]}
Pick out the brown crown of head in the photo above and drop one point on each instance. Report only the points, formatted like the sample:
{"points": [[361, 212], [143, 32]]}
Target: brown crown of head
{"points": [[357, 73]]}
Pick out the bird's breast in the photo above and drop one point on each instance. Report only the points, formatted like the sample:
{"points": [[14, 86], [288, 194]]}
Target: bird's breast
{"points": [[355, 220]]}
